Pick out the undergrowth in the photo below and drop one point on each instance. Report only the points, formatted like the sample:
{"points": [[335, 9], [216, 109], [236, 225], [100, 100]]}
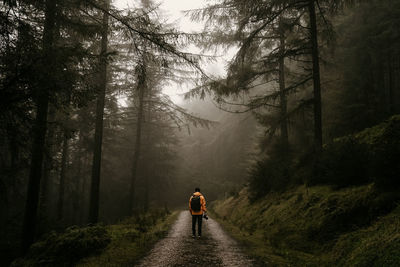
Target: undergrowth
{"points": [[132, 239], [119, 244], [65, 249], [369, 156], [316, 226]]}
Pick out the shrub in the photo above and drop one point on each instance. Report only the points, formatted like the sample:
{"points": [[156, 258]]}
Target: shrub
{"points": [[384, 145], [270, 174], [67, 248], [342, 163], [372, 155]]}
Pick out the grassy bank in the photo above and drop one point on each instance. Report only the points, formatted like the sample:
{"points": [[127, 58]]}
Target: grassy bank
{"points": [[112, 245], [131, 240], [316, 226]]}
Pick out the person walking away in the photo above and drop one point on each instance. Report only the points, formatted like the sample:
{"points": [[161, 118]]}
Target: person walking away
{"points": [[197, 207]]}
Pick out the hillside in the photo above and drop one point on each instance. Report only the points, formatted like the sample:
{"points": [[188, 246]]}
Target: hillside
{"points": [[316, 226]]}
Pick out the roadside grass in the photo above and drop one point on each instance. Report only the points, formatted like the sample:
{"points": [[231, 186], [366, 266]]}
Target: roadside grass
{"points": [[66, 248], [377, 245], [131, 240], [315, 226], [120, 244]]}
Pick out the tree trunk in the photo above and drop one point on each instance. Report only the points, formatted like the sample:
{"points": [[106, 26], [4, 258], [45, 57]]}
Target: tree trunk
{"points": [[148, 170], [83, 191], [316, 78], [391, 85], [146, 190], [61, 191], [12, 135], [282, 87], [98, 136], [78, 180], [136, 155], [40, 127], [47, 166]]}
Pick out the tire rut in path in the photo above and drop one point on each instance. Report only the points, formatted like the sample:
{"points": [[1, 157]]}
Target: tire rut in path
{"points": [[178, 248]]}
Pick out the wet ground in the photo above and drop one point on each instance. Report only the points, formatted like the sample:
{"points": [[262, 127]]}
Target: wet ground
{"points": [[179, 248]]}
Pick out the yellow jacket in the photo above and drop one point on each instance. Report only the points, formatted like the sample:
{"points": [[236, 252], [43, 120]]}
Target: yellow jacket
{"points": [[202, 202]]}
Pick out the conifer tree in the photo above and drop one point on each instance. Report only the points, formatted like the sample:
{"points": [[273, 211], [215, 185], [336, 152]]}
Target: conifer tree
{"points": [[40, 127], [98, 136]]}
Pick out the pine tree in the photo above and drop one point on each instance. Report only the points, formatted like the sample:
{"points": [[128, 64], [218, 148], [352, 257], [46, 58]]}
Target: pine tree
{"points": [[42, 99], [98, 137]]}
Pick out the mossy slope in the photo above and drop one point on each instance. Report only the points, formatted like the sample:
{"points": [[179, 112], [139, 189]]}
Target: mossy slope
{"points": [[316, 226]]}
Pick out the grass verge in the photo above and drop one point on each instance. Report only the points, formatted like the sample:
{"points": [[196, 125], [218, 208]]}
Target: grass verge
{"points": [[131, 240], [316, 226], [120, 244]]}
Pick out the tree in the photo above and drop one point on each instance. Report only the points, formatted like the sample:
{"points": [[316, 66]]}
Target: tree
{"points": [[42, 100], [64, 162], [59, 71], [141, 87], [95, 183], [364, 65], [282, 87], [316, 76]]}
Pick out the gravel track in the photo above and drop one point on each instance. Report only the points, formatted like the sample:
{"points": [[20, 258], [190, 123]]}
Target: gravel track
{"points": [[178, 248]]}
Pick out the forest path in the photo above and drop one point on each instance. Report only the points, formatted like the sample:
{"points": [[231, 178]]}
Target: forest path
{"points": [[178, 248]]}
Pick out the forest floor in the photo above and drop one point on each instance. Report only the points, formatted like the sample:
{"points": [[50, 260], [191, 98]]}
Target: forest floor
{"points": [[213, 248]]}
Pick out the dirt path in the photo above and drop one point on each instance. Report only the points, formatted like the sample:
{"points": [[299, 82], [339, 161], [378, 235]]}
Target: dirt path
{"points": [[180, 249]]}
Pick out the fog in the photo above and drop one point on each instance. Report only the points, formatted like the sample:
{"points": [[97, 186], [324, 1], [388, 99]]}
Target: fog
{"points": [[116, 109]]}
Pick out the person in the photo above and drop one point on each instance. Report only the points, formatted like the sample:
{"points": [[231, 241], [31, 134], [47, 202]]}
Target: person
{"points": [[197, 207]]}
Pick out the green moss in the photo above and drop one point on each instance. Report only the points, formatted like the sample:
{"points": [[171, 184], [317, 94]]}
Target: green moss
{"points": [[132, 239], [386, 130], [315, 226], [376, 245]]}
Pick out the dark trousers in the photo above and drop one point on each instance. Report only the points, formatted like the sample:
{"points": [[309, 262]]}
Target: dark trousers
{"points": [[199, 220]]}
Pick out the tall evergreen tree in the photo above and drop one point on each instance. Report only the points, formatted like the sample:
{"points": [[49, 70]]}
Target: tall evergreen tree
{"points": [[141, 88], [316, 76], [42, 101], [98, 136]]}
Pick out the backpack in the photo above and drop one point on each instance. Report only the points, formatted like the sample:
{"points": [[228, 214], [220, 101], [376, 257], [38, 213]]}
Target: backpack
{"points": [[195, 203]]}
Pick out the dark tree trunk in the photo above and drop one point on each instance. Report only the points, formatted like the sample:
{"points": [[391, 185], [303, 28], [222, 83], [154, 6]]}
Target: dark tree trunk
{"points": [[47, 167], [40, 127], [78, 180], [282, 87], [83, 191], [98, 136], [146, 190], [391, 85], [136, 154], [61, 190], [316, 78], [13, 148], [148, 170], [64, 162]]}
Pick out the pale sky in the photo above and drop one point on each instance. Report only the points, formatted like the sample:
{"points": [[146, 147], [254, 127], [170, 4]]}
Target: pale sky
{"points": [[172, 10]]}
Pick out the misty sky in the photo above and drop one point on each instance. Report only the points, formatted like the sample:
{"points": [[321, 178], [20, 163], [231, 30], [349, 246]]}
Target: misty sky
{"points": [[172, 10]]}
